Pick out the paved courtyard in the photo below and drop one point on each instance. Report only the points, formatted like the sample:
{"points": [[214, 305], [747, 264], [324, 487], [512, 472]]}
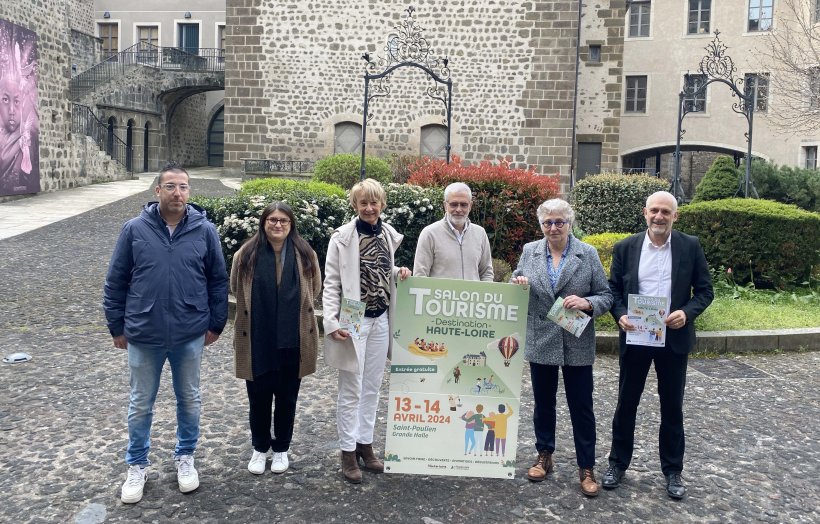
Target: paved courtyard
{"points": [[752, 423]]}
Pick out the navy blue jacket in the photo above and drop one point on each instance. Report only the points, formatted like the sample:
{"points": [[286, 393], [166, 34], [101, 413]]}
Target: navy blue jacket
{"points": [[163, 290]]}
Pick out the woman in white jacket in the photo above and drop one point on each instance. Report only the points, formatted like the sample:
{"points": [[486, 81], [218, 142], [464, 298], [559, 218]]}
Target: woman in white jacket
{"points": [[360, 266]]}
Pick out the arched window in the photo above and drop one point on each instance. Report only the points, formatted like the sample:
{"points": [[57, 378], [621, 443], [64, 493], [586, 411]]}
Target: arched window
{"points": [[434, 141], [348, 137]]}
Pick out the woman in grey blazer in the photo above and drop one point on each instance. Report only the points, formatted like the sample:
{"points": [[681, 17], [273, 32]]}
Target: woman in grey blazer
{"points": [[560, 265]]}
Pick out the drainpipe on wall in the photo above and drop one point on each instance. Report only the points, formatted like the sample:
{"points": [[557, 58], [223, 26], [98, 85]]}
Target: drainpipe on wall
{"points": [[575, 95]]}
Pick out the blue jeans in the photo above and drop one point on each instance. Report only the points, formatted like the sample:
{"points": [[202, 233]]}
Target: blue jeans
{"points": [[146, 369]]}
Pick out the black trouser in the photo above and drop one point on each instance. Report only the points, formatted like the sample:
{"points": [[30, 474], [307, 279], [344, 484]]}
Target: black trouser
{"points": [[578, 389], [283, 385], [670, 369]]}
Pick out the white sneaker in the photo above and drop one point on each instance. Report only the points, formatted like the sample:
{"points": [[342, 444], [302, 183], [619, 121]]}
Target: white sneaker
{"points": [[134, 482], [257, 463], [187, 477], [280, 463]]}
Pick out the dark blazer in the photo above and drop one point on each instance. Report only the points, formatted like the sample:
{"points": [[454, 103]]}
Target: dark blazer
{"points": [[691, 284]]}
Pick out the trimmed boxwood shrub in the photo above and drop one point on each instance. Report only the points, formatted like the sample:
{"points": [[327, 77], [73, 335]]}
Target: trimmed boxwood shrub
{"points": [[721, 180], [604, 243], [344, 169], [768, 242], [276, 186], [613, 202], [504, 199]]}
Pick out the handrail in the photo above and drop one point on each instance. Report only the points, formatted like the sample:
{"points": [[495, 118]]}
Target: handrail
{"points": [[83, 120], [206, 60]]}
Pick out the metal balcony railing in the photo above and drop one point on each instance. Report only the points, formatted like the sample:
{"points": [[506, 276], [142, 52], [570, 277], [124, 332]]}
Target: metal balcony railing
{"points": [[144, 54], [85, 122], [258, 166]]}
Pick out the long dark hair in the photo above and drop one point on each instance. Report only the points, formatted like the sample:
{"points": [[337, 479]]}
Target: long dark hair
{"points": [[248, 259]]}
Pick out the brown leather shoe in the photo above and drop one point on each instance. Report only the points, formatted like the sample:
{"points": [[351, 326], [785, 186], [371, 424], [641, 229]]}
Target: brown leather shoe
{"points": [[370, 460], [541, 468], [350, 468], [589, 486]]}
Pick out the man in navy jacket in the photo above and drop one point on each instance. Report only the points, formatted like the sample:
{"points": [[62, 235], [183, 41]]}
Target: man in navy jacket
{"points": [[660, 262], [165, 298]]}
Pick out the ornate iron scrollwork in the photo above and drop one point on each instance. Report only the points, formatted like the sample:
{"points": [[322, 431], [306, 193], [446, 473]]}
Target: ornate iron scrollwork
{"points": [[406, 46]]}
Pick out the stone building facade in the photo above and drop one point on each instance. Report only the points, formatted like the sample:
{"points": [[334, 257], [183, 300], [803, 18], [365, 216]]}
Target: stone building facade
{"points": [[66, 159], [294, 74]]}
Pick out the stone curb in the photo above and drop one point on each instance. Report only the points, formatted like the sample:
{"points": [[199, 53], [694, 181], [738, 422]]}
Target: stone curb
{"points": [[741, 341]]}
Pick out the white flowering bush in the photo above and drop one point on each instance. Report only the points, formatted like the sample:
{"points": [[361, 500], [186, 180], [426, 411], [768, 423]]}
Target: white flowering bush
{"points": [[319, 209], [409, 209]]}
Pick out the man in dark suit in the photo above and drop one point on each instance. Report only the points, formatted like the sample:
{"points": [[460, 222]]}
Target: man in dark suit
{"points": [[660, 262]]}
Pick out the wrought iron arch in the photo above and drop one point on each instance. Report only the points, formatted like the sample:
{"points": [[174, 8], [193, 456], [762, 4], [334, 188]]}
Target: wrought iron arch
{"points": [[717, 67], [407, 47]]}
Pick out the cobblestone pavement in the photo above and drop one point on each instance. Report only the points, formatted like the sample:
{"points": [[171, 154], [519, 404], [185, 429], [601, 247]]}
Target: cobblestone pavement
{"points": [[752, 454]]}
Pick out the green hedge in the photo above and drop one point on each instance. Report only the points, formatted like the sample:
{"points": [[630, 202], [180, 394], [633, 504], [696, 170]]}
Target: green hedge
{"points": [[768, 242], [613, 202], [604, 243], [790, 185], [344, 169], [278, 186]]}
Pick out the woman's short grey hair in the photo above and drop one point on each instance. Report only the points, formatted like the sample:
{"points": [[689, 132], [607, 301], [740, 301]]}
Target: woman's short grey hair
{"points": [[457, 187], [556, 206]]}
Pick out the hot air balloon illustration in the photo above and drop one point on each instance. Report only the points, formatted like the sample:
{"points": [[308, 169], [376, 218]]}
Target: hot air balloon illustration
{"points": [[507, 346]]}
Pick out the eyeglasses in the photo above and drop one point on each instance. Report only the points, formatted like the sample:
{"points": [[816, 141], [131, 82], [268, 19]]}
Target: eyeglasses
{"points": [[456, 205], [282, 221], [557, 223], [183, 188]]}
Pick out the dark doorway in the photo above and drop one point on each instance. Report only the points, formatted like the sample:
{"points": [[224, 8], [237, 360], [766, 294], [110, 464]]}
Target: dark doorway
{"points": [[589, 159], [145, 140], [189, 38], [129, 146], [109, 143], [216, 140]]}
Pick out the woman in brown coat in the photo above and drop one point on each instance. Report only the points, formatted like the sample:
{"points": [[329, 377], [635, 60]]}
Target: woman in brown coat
{"points": [[275, 277]]}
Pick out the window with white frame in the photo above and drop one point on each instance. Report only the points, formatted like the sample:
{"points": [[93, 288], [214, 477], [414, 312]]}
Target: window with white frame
{"points": [[810, 153], [639, 19], [348, 137], [694, 102], [758, 85], [700, 12], [148, 34], [110, 36], [760, 15], [635, 94], [434, 141]]}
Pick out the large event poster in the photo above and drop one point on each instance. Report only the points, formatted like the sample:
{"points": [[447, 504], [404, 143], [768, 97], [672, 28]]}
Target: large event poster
{"points": [[455, 378], [19, 120]]}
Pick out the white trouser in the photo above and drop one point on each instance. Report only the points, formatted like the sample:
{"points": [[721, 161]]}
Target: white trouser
{"points": [[359, 391]]}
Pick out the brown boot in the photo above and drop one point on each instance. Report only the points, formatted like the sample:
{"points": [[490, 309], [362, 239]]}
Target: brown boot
{"points": [[350, 468], [371, 461], [589, 486], [541, 468]]}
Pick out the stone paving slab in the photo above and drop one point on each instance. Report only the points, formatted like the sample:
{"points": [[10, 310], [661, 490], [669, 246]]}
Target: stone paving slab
{"points": [[752, 447]]}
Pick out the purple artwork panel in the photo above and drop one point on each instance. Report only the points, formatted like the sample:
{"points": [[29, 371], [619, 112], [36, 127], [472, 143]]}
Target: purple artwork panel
{"points": [[19, 120]]}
